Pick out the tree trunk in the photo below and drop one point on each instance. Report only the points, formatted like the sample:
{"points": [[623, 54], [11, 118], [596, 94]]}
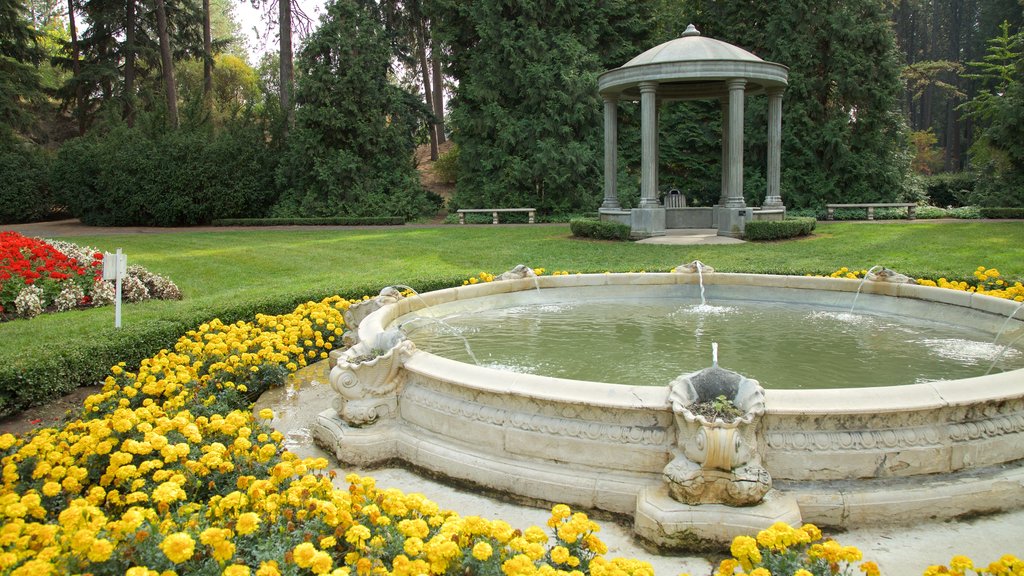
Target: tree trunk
{"points": [[77, 68], [167, 63], [287, 69], [421, 53], [207, 56], [129, 64], [438, 79]]}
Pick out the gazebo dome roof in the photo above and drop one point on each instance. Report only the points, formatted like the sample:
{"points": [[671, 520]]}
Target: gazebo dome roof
{"points": [[692, 67], [690, 47]]}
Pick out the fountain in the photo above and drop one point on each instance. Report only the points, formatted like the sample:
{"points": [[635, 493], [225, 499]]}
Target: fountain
{"points": [[840, 457]]}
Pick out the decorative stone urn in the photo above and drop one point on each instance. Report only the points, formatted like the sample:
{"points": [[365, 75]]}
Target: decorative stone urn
{"points": [[368, 376], [717, 460]]}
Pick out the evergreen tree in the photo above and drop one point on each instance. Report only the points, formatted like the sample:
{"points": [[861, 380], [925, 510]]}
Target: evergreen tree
{"points": [[526, 114], [843, 137], [997, 155], [19, 77], [350, 152]]}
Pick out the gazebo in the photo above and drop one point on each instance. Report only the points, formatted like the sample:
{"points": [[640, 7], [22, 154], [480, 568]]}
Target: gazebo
{"points": [[692, 67]]}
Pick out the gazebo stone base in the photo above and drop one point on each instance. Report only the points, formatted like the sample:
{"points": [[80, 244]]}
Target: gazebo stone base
{"points": [[732, 221], [672, 525], [646, 223]]}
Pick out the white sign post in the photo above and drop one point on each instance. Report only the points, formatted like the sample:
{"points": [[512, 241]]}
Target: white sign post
{"points": [[115, 267]]}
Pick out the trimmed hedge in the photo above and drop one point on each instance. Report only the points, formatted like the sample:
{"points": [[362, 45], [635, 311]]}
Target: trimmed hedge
{"points": [[950, 189], [584, 228], [333, 221], [778, 229], [42, 375], [1002, 212]]}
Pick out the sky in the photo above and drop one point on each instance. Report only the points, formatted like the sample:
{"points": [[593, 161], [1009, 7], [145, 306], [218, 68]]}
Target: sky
{"points": [[250, 18]]}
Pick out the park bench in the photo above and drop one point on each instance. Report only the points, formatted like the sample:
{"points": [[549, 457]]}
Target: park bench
{"points": [[911, 208], [494, 213]]}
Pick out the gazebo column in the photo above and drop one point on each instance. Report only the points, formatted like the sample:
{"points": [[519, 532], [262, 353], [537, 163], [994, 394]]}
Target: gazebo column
{"points": [[611, 153], [648, 219], [735, 184], [773, 197], [732, 216], [649, 145], [725, 152]]}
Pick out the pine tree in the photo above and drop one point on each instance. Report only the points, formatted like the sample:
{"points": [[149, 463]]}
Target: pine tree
{"points": [[19, 78], [526, 114], [350, 152], [843, 137]]}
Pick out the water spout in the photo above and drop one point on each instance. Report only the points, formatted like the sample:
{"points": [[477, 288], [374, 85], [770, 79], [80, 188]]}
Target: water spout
{"points": [[700, 277], [714, 354], [446, 327], [1008, 344], [861, 285]]}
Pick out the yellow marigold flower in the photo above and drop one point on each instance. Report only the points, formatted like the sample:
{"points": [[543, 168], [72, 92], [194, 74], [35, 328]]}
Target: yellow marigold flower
{"points": [[560, 554], [100, 550], [812, 531], [518, 565], [236, 570], [802, 572], [413, 547], [322, 562], [961, 563], [178, 547], [303, 555], [268, 568], [248, 522], [870, 569], [482, 551], [760, 572], [7, 440]]}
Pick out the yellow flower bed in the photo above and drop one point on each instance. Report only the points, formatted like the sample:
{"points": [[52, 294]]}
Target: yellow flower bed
{"points": [[168, 472], [987, 281]]}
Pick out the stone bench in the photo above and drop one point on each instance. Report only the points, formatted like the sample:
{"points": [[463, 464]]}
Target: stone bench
{"points": [[494, 213], [911, 208]]}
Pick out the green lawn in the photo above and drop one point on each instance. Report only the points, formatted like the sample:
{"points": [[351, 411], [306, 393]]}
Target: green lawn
{"points": [[218, 270]]}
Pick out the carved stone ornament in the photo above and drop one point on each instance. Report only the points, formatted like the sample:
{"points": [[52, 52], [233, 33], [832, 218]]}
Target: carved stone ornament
{"points": [[890, 276], [519, 272], [360, 310], [368, 377], [717, 461], [693, 268]]}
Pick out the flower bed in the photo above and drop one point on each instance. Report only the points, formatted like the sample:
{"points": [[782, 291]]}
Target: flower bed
{"points": [[39, 276]]}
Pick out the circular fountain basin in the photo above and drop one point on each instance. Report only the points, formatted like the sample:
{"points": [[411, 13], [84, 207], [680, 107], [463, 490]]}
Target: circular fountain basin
{"points": [[848, 456]]}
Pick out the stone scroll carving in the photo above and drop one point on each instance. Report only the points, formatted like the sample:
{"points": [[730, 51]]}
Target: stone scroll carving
{"points": [[368, 377], [717, 461]]}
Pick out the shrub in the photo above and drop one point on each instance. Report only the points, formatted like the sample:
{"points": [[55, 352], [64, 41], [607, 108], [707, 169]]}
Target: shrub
{"points": [[446, 167], [584, 228], [24, 192], [336, 221], [952, 189], [778, 229], [1001, 212], [185, 177]]}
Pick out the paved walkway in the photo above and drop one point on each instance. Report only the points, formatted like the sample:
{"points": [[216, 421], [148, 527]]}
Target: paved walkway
{"points": [[898, 550]]}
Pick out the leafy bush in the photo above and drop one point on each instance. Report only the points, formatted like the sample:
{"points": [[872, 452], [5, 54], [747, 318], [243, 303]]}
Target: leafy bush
{"points": [[446, 167], [336, 221], [24, 192], [1001, 212], [953, 189], [778, 229], [184, 177], [584, 228]]}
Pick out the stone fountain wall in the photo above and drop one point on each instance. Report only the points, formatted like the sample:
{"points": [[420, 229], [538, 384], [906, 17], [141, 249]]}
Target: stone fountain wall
{"points": [[843, 457]]}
